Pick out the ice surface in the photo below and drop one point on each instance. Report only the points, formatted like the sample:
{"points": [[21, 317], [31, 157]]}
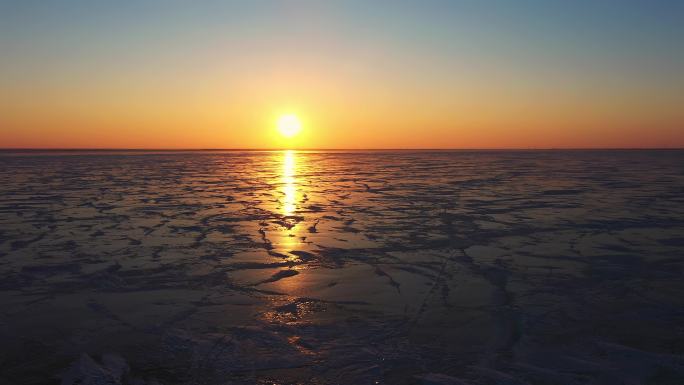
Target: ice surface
{"points": [[343, 267]]}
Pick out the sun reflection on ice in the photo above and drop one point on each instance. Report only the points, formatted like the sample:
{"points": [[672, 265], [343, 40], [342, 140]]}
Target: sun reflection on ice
{"points": [[288, 236], [289, 183]]}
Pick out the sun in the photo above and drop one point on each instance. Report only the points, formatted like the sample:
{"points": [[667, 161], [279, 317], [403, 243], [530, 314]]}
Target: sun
{"points": [[289, 125]]}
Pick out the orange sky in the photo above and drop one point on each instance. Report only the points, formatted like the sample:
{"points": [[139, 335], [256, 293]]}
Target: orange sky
{"points": [[357, 77]]}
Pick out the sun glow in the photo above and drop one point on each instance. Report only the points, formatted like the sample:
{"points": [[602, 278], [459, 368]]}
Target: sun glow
{"points": [[289, 125]]}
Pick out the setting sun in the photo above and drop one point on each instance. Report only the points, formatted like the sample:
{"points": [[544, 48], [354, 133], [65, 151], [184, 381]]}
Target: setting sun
{"points": [[289, 125]]}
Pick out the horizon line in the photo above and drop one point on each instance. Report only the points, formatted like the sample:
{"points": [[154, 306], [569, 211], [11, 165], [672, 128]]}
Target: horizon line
{"points": [[5, 149]]}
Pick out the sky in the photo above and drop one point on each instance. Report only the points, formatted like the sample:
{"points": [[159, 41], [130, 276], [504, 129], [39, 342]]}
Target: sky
{"points": [[358, 74]]}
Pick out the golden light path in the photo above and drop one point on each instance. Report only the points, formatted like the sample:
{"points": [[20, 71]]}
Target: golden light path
{"points": [[289, 183], [291, 194]]}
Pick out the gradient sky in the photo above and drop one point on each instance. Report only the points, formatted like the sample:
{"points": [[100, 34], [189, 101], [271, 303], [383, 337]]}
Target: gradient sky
{"points": [[359, 74]]}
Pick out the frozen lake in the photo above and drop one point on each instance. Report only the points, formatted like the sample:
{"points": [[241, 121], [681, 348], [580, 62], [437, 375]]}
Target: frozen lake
{"points": [[492, 267]]}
